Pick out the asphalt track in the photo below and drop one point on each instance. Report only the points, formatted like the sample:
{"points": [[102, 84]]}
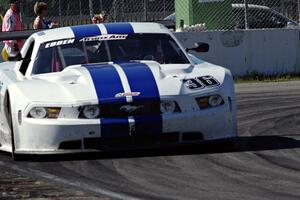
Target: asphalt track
{"points": [[264, 164]]}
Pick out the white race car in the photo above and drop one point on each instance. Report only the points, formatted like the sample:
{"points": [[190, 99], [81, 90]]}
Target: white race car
{"points": [[111, 86]]}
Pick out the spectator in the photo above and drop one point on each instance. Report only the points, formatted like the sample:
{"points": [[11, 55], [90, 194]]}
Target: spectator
{"points": [[12, 22], [40, 10], [99, 18]]}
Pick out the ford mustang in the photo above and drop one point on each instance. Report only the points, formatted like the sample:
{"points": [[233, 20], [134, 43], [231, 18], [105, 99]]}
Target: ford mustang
{"points": [[111, 86]]}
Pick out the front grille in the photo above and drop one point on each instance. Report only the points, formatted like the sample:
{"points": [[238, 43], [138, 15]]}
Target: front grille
{"points": [[140, 108]]}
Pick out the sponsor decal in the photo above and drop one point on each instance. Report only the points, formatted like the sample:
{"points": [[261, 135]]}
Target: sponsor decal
{"points": [[104, 38], [59, 43], [128, 94], [201, 82]]}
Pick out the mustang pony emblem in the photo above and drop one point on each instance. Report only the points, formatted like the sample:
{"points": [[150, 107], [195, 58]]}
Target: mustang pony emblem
{"points": [[130, 108]]}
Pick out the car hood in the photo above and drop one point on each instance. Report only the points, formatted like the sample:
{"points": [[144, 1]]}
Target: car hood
{"points": [[111, 82]]}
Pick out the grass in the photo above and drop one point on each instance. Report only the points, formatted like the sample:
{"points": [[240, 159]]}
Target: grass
{"points": [[255, 77]]}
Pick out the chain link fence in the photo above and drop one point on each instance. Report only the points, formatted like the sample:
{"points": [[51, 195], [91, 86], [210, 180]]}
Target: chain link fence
{"points": [[75, 12], [237, 14], [259, 14], [210, 14]]}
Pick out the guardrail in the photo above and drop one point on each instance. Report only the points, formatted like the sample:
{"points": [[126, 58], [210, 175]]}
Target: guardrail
{"points": [[16, 35]]}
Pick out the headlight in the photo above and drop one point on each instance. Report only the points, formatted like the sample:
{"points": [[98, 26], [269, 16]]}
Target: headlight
{"points": [[91, 112], [210, 101], [38, 113], [42, 112], [215, 100], [168, 107]]}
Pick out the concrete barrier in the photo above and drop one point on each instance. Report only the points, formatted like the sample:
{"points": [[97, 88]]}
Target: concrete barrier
{"points": [[253, 51]]}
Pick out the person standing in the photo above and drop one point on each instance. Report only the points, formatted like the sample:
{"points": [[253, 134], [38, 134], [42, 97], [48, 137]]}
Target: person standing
{"points": [[40, 10], [12, 22]]}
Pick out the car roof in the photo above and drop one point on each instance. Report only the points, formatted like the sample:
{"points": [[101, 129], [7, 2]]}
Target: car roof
{"points": [[259, 7], [97, 29], [252, 6]]}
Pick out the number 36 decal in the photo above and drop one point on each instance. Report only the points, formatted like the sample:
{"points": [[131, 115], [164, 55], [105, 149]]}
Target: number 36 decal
{"points": [[201, 82]]}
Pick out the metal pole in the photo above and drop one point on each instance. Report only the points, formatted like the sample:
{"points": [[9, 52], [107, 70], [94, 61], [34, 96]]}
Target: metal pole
{"points": [[101, 5], [165, 8], [91, 9], [145, 10], [246, 15], [115, 11], [123, 14], [298, 11], [22, 14], [80, 10], [59, 12], [21, 10]]}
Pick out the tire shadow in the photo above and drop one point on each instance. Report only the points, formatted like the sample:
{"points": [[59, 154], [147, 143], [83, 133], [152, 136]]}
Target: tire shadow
{"points": [[240, 144]]}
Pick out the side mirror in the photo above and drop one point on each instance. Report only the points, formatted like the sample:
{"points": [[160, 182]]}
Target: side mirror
{"points": [[200, 47], [17, 57]]}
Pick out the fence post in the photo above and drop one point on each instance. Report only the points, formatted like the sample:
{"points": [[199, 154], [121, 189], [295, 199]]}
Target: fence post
{"points": [[122, 11], [246, 14], [101, 6], [115, 11], [59, 12], [91, 9], [145, 10], [22, 14], [298, 11], [165, 8], [80, 10]]}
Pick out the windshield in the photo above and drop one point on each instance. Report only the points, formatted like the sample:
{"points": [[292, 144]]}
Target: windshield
{"points": [[57, 55]]}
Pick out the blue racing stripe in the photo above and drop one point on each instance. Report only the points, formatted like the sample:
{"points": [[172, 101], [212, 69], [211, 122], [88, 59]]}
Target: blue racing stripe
{"points": [[114, 127], [85, 31], [107, 84], [119, 28], [141, 79]]}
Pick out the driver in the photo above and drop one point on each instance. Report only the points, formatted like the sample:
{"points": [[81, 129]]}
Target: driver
{"points": [[12, 22]]}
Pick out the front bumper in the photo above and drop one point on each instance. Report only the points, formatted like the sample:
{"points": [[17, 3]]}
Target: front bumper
{"points": [[47, 136]]}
